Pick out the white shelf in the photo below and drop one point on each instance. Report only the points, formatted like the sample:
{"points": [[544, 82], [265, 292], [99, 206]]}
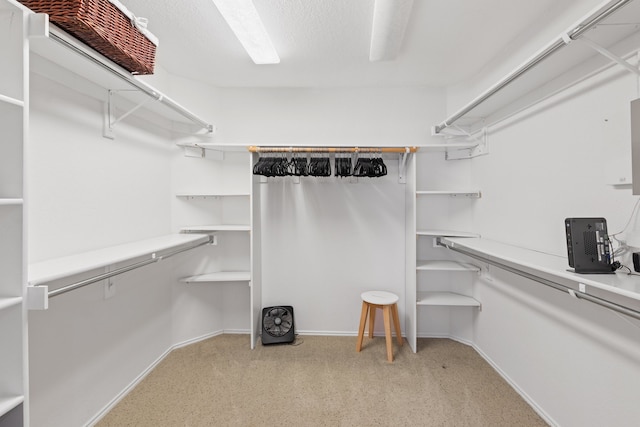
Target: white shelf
{"points": [[9, 302], [9, 403], [446, 299], [210, 195], [63, 58], [445, 146], [220, 276], [438, 265], [11, 202], [214, 228], [46, 271], [446, 233], [554, 67], [609, 287], [9, 100], [453, 193]]}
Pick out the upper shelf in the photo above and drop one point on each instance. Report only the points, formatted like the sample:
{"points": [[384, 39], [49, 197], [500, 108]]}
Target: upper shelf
{"points": [[63, 58], [46, 271], [566, 60]]}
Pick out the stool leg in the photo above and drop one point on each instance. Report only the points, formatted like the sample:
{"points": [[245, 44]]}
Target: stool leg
{"points": [[387, 331], [396, 320], [363, 321], [372, 318]]}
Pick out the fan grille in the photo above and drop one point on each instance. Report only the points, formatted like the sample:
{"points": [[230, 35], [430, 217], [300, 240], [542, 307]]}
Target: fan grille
{"points": [[278, 321]]}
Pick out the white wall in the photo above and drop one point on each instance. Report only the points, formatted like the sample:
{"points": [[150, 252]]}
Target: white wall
{"points": [[324, 241], [577, 362], [87, 192]]}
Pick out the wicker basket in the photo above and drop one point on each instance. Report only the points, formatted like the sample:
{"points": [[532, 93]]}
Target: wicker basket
{"points": [[104, 27]]}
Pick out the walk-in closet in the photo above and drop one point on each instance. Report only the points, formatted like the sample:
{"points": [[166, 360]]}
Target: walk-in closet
{"points": [[161, 192]]}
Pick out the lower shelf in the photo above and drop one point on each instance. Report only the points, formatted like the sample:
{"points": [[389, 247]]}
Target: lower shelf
{"points": [[220, 276], [9, 403], [446, 299]]}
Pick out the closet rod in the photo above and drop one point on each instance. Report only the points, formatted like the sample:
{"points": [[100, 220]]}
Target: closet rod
{"points": [[573, 34], [141, 86], [91, 280], [557, 286], [256, 149]]}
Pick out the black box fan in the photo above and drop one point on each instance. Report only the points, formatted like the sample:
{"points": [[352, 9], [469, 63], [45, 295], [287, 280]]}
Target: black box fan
{"points": [[277, 325]]}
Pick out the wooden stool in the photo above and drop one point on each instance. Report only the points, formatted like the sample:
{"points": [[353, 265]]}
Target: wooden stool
{"points": [[388, 303]]}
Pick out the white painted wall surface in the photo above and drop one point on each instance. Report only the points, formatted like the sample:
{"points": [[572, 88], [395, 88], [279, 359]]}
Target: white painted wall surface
{"points": [[87, 192], [578, 363]]}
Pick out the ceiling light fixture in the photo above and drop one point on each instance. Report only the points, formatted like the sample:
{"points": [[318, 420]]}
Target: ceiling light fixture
{"points": [[243, 18], [390, 18]]}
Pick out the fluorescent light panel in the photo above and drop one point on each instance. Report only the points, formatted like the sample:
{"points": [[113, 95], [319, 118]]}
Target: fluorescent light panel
{"points": [[243, 18], [390, 18]]}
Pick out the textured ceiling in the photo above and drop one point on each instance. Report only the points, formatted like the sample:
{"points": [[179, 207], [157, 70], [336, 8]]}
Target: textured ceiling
{"points": [[325, 43]]}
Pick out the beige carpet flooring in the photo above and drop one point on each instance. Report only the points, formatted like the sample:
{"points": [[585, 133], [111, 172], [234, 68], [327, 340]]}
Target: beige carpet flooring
{"points": [[322, 381]]}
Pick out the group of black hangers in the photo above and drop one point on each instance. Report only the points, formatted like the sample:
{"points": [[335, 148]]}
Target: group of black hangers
{"points": [[296, 166], [319, 166]]}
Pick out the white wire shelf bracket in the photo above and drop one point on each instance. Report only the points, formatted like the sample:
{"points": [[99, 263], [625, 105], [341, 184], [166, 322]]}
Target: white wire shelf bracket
{"points": [[102, 64], [575, 33]]}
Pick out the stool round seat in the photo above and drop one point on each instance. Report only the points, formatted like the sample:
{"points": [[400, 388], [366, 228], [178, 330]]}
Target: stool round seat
{"points": [[387, 302], [379, 297]]}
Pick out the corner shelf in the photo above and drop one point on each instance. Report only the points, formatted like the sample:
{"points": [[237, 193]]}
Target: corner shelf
{"points": [[452, 193], [446, 233], [450, 299], [11, 101], [219, 276], [214, 228], [438, 265], [9, 302], [11, 202], [9, 403], [210, 195]]}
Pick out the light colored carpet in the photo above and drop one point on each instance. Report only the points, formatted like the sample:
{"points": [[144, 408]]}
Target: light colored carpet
{"points": [[322, 381]]}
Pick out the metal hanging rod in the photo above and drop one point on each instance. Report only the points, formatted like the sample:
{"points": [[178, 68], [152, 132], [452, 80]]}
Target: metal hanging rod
{"points": [[557, 286], [256, 149], [100, 277], [60, 38], [572, 34]]}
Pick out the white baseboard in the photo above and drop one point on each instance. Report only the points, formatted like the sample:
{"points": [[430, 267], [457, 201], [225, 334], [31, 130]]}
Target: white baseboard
{"points": [[155, 363], [104, 411], [196, 339], [518, 390]]}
